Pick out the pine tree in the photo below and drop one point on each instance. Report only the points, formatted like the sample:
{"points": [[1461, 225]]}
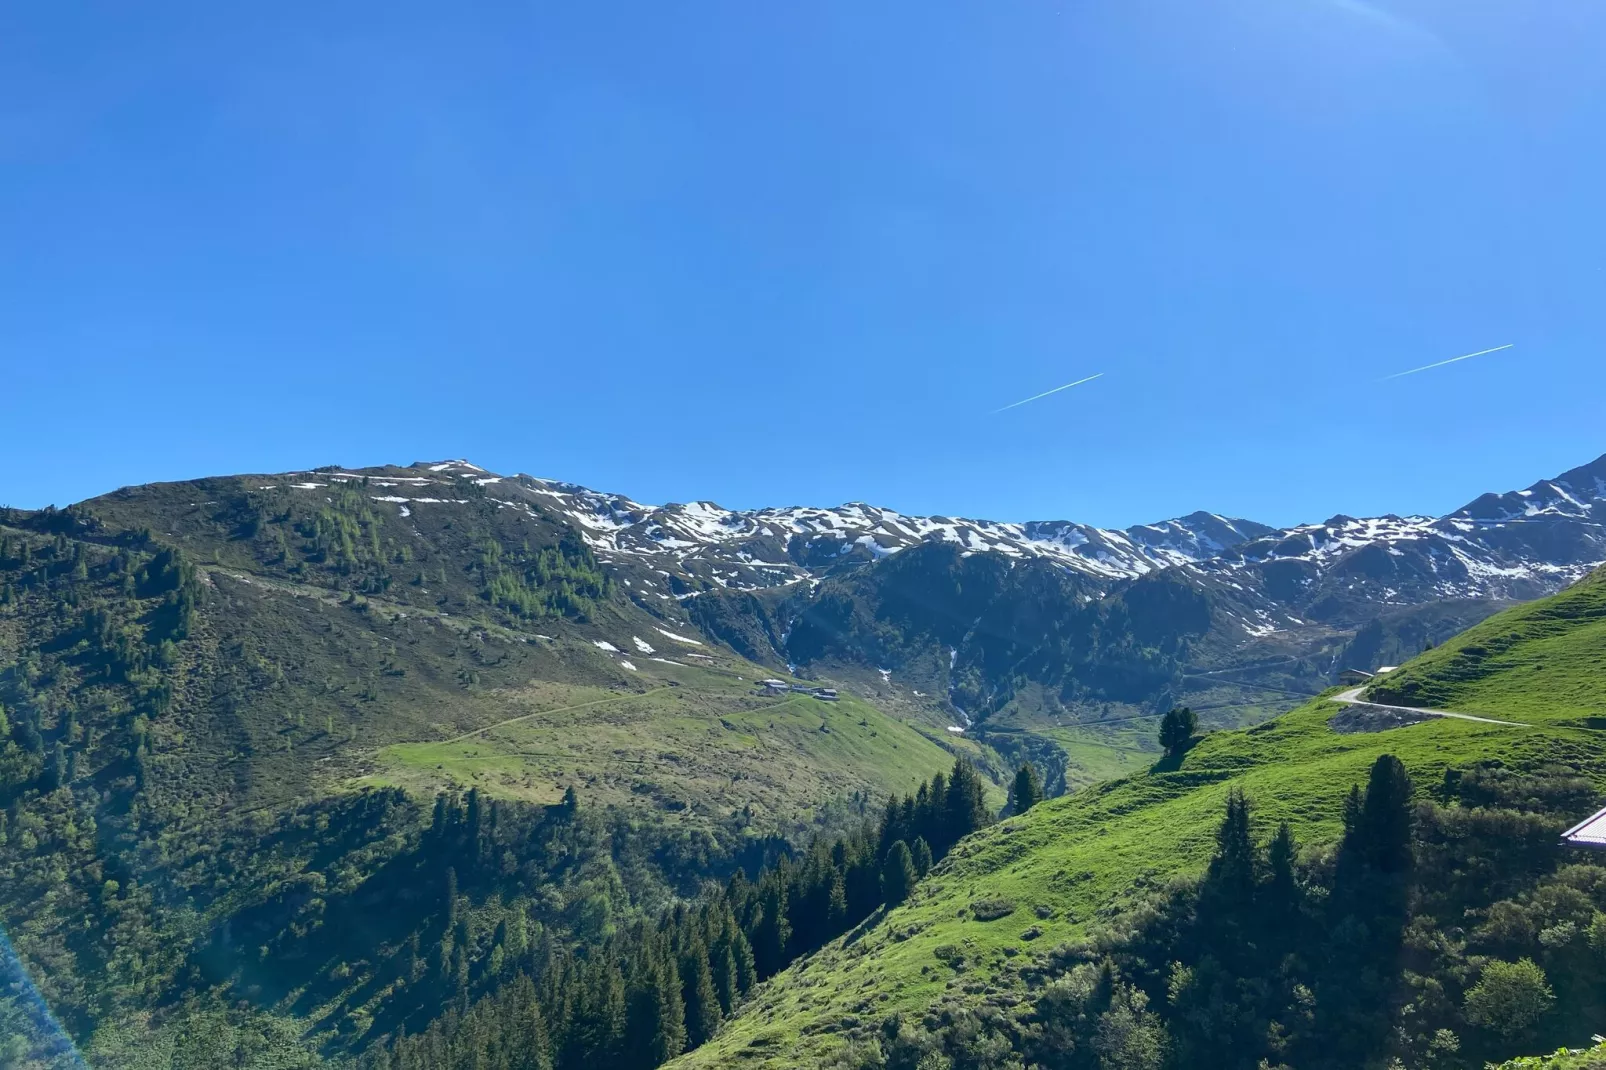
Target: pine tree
{"points": [[964, 805], [472, 848], [836, 908], [1177, 729], [1385, 820], [922, 856], [55, 772], [450, 900], [698, 994], [1232, 874], [898, 874], [1027, 791], [1370, 905], [531, 1048], [771, 931], [656, 1023], [598, 1018], [1281, 895]]}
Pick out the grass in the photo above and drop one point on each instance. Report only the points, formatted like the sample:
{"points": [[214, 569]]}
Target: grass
{"points": [[1093, 755], [1075, 861], [695, 741], [1540, 661], [1565, 1059]]}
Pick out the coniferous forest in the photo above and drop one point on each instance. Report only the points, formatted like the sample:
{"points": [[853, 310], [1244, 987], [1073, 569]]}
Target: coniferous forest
{"points": [[210, 856]]}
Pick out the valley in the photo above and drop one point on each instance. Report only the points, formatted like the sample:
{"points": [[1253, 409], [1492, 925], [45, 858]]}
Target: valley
{"points": [[300, 762]]}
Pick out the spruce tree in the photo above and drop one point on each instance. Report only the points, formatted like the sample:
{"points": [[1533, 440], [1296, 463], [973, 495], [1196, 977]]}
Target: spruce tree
{"points": [[722, 961], [1177, 729], [898, 874], [656, 1019], [698, 993], [531, 1048], [922, 856], [1281, 896], [1385, 820], [965, 805], [836, 908], [55, 771], [1027, 791], [771, 930], [1233, 871]]}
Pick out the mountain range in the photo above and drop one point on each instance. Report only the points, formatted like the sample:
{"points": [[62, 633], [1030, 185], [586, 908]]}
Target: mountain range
{"points": [[823, 590], [1030, 631], [227, 705]]}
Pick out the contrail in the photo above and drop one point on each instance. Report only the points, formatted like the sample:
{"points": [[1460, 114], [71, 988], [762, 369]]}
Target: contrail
{"points": [[1442, 363], [1388, 20], [1046, 393]]}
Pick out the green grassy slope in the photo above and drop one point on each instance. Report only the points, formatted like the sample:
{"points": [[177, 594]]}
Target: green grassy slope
{"points": [[1566, 1059], [330, 626], [166, 718], [693, 740], [1546, 659], [1075, 862]]}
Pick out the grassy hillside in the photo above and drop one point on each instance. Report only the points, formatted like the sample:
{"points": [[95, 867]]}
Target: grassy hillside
{"points": [[692, 741], [1566, 1059], [978, 931], [1543, 660], [210, 691]]}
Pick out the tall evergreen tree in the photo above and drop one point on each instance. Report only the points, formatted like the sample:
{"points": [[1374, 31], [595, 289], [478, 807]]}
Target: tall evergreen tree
{"points": [[771, 930], [1384, 830], [1282, 899], [656, 1019], [1233, 871], [898, 874], [965, 806], [698, 993], [1027, 790], [1177, 729], [922, 856]]}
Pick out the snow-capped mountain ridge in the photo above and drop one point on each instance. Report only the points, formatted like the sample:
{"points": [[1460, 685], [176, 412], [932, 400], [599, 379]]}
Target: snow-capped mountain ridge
{"points": [[614, 524], [1499, 544], [1514, 545]]}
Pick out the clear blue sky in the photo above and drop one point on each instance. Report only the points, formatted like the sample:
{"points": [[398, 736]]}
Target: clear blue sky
{"points": [[774, 253]]}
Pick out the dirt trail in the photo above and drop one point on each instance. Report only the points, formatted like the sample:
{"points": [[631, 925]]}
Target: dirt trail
{"points": [[1352, 697]]}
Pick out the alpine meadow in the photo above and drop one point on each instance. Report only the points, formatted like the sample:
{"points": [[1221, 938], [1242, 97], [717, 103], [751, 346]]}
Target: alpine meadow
{"points": [[433, 768]]}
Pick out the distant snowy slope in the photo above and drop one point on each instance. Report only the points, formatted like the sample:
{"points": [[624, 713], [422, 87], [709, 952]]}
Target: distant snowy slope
{"points": [[785, 542], [1520, 544]]}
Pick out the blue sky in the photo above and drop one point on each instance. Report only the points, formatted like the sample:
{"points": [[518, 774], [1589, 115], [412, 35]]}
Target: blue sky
{"points": [[800, 253]]}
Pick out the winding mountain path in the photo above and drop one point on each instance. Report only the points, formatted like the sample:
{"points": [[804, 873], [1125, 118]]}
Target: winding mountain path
{"points": [[1352, 697]]}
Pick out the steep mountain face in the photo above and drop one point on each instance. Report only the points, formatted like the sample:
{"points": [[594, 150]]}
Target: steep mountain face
{"points": [[196, 677], [962, 618], [226, 706], [773, 547], [1515, 546], [1014, 943], [981, 613], [835, 590]]}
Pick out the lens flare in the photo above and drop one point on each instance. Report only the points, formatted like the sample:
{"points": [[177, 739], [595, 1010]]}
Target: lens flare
{"points": [[48, 1041]]}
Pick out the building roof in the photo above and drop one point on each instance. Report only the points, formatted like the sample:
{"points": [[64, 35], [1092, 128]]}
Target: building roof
{"points": [[1590, 832]]}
